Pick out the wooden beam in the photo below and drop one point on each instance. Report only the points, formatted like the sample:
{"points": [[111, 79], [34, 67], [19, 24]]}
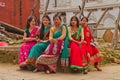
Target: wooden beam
{"points": [[55, 3], [89, 14], [102, 17], [115, 36], [103, 28], [82, 8], [34, 6], [46, 7]]}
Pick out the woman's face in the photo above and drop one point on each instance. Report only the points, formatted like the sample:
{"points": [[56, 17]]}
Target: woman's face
{"points": [[73, 22], [32, 23], [84, 21], [57, 21], [45, 21]]}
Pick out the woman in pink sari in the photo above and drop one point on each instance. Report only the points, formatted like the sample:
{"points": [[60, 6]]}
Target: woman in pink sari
{"points": [[93, 53], [29, 39]]}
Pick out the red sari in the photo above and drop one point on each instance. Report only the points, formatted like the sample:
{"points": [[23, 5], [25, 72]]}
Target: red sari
{"points": [[78, 57], [91, 49]]}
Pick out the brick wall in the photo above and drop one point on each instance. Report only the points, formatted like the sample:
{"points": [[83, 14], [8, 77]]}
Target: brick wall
{"points": [[15, 12]]}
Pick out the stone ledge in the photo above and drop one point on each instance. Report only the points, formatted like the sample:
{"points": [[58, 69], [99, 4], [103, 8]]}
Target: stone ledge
{"points": [[10, 48], [9, 54]]}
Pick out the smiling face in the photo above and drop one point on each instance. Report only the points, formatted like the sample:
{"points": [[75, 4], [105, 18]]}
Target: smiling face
{"points": [[45, 21], [32, 22], [84, 21]]}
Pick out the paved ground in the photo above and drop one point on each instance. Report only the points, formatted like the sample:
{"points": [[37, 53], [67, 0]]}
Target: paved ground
{"points": [[8, 72]]}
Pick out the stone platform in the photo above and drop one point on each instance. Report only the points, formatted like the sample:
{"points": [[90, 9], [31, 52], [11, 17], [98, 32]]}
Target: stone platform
{"points": [[9, 54]]}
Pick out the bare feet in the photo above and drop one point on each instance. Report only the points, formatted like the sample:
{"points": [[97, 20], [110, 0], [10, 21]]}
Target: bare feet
{"points": [[48, 72], [35, 70], [85, 72], [19, 69], [98, 69], [23, 64]]}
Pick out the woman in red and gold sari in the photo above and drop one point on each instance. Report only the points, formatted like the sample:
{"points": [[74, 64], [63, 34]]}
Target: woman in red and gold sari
{"points": [[93, 53], [78, 57]]}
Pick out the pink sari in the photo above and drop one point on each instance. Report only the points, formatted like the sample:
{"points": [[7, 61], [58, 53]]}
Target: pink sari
{"points": [[26, 46]]}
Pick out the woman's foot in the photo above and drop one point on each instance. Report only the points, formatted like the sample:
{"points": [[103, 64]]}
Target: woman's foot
{"points": [[19, 69], [35, 70], [75, 70], [98, 69], [85, 72], [23, 64], [88, 70], [47, 72]]}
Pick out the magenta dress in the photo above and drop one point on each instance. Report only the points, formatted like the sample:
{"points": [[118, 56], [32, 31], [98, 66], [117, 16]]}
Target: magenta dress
{"points": [[26, 46]]}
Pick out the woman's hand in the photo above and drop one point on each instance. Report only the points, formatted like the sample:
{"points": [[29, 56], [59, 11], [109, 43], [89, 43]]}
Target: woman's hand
{"points": [[53, 40], [39, 40], [29, 39], [85, 42]]}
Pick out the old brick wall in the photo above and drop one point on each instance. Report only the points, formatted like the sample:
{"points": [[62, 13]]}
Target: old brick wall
{"points": [[15, 12]]}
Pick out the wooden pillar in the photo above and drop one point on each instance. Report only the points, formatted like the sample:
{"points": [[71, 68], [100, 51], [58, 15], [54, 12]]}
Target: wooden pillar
{"points": [[115, 36]]}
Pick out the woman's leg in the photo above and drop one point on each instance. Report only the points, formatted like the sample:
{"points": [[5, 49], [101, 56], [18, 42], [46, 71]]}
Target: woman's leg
{"points": [[97, 67]]}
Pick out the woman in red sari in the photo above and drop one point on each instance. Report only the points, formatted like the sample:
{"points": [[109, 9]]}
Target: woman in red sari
{"points": [[78, 57], [93, 53]]}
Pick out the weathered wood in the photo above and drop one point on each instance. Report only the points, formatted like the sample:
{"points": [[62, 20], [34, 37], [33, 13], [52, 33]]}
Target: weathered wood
{"points": [[82, 8], [89, 14], [55, 3], [115, 36], [102, 17], [78, 12], [46, 7], [34, 6], [103, 28], [11, 28]]}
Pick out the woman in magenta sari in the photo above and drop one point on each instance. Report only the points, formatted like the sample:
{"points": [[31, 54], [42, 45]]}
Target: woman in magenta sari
{"points": [[93, 53], [43, 42], [78, 57], [50, 56], [29, 39]]}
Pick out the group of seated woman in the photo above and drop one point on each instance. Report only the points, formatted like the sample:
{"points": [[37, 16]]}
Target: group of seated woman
{"points": [[43, 46]]}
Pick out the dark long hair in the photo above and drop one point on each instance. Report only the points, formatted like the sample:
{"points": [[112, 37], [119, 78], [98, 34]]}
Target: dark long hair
{"points": [[84, 18], [56, 15], [42, 26], [30, 18], [75, 19]]}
